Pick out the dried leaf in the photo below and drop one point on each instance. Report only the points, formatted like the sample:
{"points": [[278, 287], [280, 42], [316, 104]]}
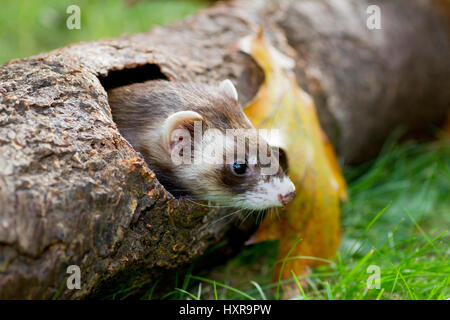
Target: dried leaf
{"points": [[311, 221]]}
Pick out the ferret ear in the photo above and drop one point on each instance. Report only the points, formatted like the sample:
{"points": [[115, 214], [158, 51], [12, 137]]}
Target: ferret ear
{"points": [[178, 130], [227, 87]]}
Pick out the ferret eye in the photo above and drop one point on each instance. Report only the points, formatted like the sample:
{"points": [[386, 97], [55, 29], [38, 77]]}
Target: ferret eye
{"points": [[239, 168]]}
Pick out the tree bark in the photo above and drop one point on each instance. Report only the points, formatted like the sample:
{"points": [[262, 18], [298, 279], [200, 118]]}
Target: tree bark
{"points": [[74, 192]]}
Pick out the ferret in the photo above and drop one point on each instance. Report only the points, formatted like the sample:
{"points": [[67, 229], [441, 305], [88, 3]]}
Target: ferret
{"points": [[159, 118]]}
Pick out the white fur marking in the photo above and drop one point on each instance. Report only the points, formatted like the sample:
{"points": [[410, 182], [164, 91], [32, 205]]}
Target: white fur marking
{"points": [[266, 194], [228, 89]]}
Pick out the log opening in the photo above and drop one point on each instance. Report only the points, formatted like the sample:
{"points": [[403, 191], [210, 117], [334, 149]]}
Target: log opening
{"points": [[140, 73]]}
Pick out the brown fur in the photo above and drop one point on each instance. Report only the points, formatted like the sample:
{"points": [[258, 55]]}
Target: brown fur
{"points": [[143, 107]]}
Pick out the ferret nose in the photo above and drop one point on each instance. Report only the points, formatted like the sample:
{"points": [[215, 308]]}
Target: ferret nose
{"points": [[286, 198]]}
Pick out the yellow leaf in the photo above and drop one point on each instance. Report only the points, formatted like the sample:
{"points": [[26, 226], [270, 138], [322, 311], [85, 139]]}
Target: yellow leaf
{"points": [[314, 215]]}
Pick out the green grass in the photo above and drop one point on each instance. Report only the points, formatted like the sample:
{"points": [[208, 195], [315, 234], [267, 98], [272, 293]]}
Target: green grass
{"points": [[397, 220], [29, 27]]}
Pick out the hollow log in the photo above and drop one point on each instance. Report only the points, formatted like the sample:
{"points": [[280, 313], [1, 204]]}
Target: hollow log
{"points": [[74, 192]]}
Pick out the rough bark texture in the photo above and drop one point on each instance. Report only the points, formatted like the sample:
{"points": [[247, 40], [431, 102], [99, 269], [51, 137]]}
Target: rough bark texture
{"points": [[73, 191], [368, 82]]}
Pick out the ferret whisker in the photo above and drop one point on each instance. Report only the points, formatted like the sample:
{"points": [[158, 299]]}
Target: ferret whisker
{"points": [[259, 219], [268, 212], [246, 216], [236, 215], [224, 217], [258, 212], [277, 211], [207, 205]]}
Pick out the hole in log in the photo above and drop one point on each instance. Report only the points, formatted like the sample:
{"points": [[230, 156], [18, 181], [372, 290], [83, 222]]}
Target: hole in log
{"points": [[119, 78]]}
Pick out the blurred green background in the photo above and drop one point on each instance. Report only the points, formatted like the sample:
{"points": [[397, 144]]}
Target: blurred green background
{"points": [[29, 27]]}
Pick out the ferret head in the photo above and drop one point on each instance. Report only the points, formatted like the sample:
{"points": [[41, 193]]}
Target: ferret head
{"points": [[217, 155]]}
